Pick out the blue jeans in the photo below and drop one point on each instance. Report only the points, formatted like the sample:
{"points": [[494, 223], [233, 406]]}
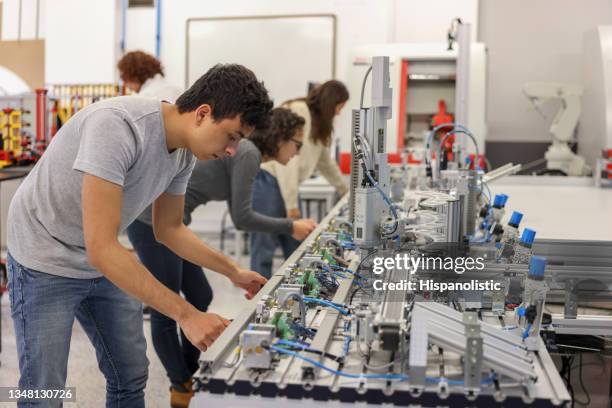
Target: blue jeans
{"points": [[43, 308], [267, 200], [178, 356]]}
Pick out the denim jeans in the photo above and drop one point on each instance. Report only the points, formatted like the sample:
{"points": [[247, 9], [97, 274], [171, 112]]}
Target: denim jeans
{"points": [[43, 308], [267, 200], [178, 356]]}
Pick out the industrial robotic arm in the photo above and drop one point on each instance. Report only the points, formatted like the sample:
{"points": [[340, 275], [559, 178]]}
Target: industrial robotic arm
{"points": [[559, 155]]}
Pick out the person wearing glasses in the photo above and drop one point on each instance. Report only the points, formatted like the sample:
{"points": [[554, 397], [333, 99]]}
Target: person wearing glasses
{"points": [[275, 191], [226, 179]]}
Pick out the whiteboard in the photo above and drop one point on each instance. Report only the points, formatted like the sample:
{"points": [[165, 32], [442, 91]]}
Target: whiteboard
{"points": [[285, 52]]}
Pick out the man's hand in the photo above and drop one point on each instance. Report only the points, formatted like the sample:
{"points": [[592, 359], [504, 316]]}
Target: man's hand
{"points": [[302, 228], [202, 329], [294, 213], [248, 280]]}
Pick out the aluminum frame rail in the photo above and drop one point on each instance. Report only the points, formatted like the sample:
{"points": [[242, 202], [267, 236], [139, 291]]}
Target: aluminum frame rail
{"points": [[214, 356], [503, 171], [443, 326]]}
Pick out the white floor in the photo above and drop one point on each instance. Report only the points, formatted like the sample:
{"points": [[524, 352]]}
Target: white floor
{"points": [[83, 371]]}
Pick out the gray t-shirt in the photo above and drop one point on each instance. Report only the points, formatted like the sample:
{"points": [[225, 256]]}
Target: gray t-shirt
{"points": [[121, 140], [229, 179]]}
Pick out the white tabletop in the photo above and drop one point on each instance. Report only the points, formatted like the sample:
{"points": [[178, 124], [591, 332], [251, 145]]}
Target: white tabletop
{"points": [[558, 208]]}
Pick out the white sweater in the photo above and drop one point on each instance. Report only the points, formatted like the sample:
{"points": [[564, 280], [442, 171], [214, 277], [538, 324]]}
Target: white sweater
{"points": [[300, 168], [158, 88]]}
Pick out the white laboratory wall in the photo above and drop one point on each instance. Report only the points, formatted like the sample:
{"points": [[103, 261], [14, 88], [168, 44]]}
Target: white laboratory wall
{"points": [[80, 41], [83, 35], [140, 28], [428, 21], [533, 41], [12, 29], [359, 21]]}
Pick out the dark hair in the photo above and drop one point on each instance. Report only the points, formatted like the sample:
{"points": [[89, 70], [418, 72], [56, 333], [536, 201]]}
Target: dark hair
{"points": [[230, 90], [138, 66], [322, 101], [283, 126]]}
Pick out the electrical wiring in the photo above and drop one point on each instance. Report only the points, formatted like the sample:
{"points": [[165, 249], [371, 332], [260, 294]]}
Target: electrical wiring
{"points": [[236, 359], [327, 281], [348, 245], [365, 258], [455, 128], [303, 331], [326, 303], [366, 150], [306, 348], [302, 306], [346, 345], [581, 382], [363, 84], [386, 365], [373, 182], [386, 198], [371, 376], [488, 190], [431, 134], [526, 332], [354, 293], [460, 131], [400, 377], [355, 274]]}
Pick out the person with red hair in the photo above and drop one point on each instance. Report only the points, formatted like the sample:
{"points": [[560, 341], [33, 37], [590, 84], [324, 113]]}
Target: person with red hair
{"points": [[143, 74]]}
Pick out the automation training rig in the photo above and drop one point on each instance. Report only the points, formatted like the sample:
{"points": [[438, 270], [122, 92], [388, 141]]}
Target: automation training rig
{"points": [[318, 330]]}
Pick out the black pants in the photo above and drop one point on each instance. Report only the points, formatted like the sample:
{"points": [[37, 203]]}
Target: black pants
{"points": [[178, 356]]}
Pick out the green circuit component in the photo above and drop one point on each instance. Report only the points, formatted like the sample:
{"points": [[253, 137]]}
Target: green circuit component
{"points": [[329, 258], [283, 329], [343, 236], [280, 321], [310, 282], [314, 285]]}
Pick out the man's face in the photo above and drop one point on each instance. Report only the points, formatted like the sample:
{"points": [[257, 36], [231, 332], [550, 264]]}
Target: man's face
{"points": [[210, 139]]}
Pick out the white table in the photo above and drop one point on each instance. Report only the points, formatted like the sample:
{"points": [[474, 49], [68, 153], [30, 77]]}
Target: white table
{"points": [[318, 191], [559, 207]]}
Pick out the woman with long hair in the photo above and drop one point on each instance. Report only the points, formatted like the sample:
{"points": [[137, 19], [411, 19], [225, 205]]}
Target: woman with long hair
{"points": [[275, 191]]}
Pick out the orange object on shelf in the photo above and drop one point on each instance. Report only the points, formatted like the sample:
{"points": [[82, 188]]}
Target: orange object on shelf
{"points": [[440, 118]]}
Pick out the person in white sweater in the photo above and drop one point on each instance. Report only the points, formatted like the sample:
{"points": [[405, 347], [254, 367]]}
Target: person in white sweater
{"points": [[143, 74], [275, 192]]}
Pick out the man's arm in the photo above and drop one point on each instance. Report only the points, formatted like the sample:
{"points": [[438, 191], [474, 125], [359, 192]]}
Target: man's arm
{"points": [[170, 231], [101, 220]]}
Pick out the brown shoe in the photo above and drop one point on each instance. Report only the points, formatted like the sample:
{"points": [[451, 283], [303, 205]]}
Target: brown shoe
{"points": [[180, 396]]}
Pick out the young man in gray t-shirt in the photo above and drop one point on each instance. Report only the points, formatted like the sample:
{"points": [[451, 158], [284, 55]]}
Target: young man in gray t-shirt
{"points": [[103, 168]]}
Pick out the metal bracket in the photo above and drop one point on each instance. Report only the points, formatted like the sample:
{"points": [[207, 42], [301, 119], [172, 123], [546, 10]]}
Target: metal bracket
{"points": [[473, 353], [571, 299]]}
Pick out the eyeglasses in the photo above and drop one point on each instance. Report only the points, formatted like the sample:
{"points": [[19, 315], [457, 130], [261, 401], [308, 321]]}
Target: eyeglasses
{"points": [[298, 143]]}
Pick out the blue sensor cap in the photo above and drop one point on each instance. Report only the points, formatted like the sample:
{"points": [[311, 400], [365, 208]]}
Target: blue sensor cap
{"points": [[537, 266], [505, 199], [515, 218], [498, 201], [528, 236]]}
